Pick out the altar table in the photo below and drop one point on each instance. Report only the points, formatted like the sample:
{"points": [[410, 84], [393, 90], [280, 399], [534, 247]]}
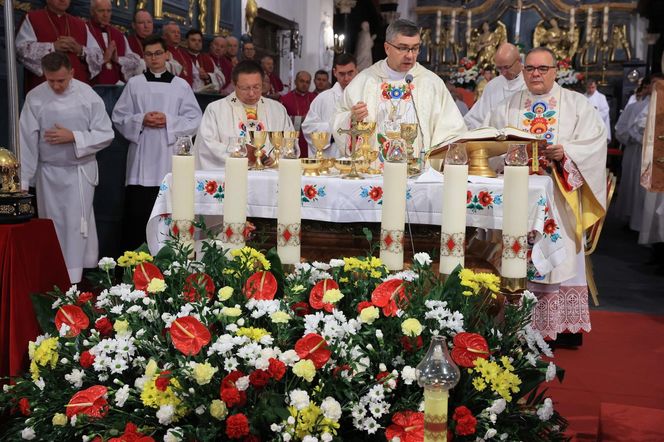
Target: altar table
{"points": [[30, 262], [333, 199]]}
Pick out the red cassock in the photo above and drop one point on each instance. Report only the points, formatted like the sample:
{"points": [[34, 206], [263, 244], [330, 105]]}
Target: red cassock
{"points": [[48, 28], [226, 66], [202, 61], [180, 56], [297, 104], [275, 82], [113, 74], [136, 45]]}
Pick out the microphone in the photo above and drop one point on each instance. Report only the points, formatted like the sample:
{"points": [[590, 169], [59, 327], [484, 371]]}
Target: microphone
{"points": [[409, 80]]}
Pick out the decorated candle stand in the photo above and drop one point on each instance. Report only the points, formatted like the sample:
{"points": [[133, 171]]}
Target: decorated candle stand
{"points": [[232, 235], [182, 193], [289, 205]]}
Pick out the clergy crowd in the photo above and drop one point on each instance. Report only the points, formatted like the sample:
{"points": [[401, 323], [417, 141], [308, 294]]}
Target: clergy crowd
{"points": [[64, 123]]}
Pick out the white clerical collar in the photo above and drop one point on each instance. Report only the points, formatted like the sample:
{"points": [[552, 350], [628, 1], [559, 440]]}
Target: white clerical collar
{"points": [[157, 74], [392, 74]]}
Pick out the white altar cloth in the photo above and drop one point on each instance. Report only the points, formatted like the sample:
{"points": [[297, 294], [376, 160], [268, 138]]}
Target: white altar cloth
{"points": [[332, 199]]}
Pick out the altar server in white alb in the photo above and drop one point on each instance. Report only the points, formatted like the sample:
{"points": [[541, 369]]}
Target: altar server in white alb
{"points": [[508, 64], [598, 100], [400, 90], [63, 125], [575, 158], [155, 108], [242, 111], [322, 111]]}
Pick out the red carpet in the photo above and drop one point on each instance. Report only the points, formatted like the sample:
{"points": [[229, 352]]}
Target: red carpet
{"points": [[619, 367]]}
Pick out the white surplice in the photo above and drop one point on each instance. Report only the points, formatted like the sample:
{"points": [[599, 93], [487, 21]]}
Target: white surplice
{"points": [[320, 118], [598, 100], [629, 201], [495, 92], [386, 94], [227, 118], [150, 149], [65, 175], [565, 117]]}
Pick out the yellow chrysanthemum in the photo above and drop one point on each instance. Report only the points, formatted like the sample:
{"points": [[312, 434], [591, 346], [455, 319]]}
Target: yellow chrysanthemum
{"points": [[253, 333], [156, 285], [411, 327], [501, 379], [332, 296], [152, 397], [249, 257], [309, 421], [46, 353]]}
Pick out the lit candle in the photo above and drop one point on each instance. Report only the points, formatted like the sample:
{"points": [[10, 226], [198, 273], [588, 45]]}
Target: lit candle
{"points": [[469, 25], [453, 26], [453, 219], [182, 195], [605, 24], [235, 203], [289, 208], [517, 26], [589, 24], [439, 19], [393, 215], [572, 23], [515, 219]]}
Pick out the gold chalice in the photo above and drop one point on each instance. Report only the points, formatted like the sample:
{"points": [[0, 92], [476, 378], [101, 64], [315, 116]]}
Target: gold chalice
{"points": [[366, 130], [409, 134], [276, 140], [320, 140], [257, 140], [371, 156], [310, 166]]}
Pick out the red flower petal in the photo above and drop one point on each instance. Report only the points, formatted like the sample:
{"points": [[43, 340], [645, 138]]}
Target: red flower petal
{"points": [[144, 273], [189, 335], [313, 347], [74, 317], [390, 295], [195, 283], [261, 286], [408, 426], [90, 402], [317, 293], [468, 347]]}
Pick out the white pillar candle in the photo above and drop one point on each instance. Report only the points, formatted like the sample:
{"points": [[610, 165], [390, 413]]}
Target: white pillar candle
{"points": [[289, 208], [453, 26], [393, 215], [453, 220], [517, 25], [589, 24], [515, 222], [235, 203], [605, 24], [439, 20], [182, 198], [469, 25], [572, 18]]}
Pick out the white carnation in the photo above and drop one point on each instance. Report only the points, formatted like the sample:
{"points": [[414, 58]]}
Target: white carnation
{"points": [[550, 372], [165, 414], [299, 399], [28, 433], [546, 410], [331, 408]]}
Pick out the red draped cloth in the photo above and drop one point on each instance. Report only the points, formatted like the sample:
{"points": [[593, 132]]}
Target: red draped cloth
{"points": [[30, 262], [136, 45], [185, 61], [48, 28], [113, 74], [297, 104]]}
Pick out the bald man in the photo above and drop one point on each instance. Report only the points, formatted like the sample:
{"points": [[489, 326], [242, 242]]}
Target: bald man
{"points": [[297, 104], [232, 49], [510, 80], [218, 47], [179, 63]]}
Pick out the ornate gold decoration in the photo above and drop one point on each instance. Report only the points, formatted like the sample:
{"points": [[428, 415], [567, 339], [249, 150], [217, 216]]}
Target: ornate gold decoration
{"points": [[391, 240], [9, 181], [216, 17], [159, 9], [190, 12], [563, 43], [250, 13], [619, 40], [289, 234], [483, 44], [591, 48], [512, 285], [202, 16], [19, 6]]}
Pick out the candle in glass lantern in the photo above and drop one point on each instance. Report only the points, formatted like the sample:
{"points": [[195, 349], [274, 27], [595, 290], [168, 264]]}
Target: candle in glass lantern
{"points": [[235, 203], [393, 214], [289, 209], [453, 220], [605, 24], [515, 212]]}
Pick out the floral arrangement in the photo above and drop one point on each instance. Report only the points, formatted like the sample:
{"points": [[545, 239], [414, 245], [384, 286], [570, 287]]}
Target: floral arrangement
{"points": [[231, 348], [566, 75], [466, 73]]}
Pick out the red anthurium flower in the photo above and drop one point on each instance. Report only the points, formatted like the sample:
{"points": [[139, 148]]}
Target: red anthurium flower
{"points": [[74, 317], [195, 283], [91, 402], [237, 426], [313, 347], [465, 421], [301, 308], [131, 434], [468, 347], [390, 295], [261, 286], [189, 335], [408, 426], [317, 293], [24, 406], [144, 273]]}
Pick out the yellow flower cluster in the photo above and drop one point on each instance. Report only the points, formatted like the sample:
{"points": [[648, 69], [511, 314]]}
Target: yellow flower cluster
{"points": [[156, 285], [310, 420], [411, 327], [501, 380], [249, 257], [280, 317], [332, 296], [155, 398], [369, 314], [253, 333], [46, 353], [305, 369], [130, 259], [476, 282], [371, 265]]}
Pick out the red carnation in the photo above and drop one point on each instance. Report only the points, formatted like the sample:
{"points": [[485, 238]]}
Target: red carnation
{"points": [[411, 344], [301, 308], [251, 438], [87, 359], [104, 326], [259, 378], [408, 426], [229, 392], [362, 305], [24, 406], [84, 297], [465, 421], [277, 369], [163, 380], [237, 426], [313, 347], [468, 347], [336, 372]]}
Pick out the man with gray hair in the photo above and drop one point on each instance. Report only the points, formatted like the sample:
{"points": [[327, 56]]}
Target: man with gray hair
{"points": [[400, 90]]}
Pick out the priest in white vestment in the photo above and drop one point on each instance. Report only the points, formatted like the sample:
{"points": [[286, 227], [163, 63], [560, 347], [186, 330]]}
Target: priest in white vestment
{"points": [[322, 111], [153, 111], [598, 100], [508, 64], [63, 125], [576, 157], [400, 90], [242, 111]]}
